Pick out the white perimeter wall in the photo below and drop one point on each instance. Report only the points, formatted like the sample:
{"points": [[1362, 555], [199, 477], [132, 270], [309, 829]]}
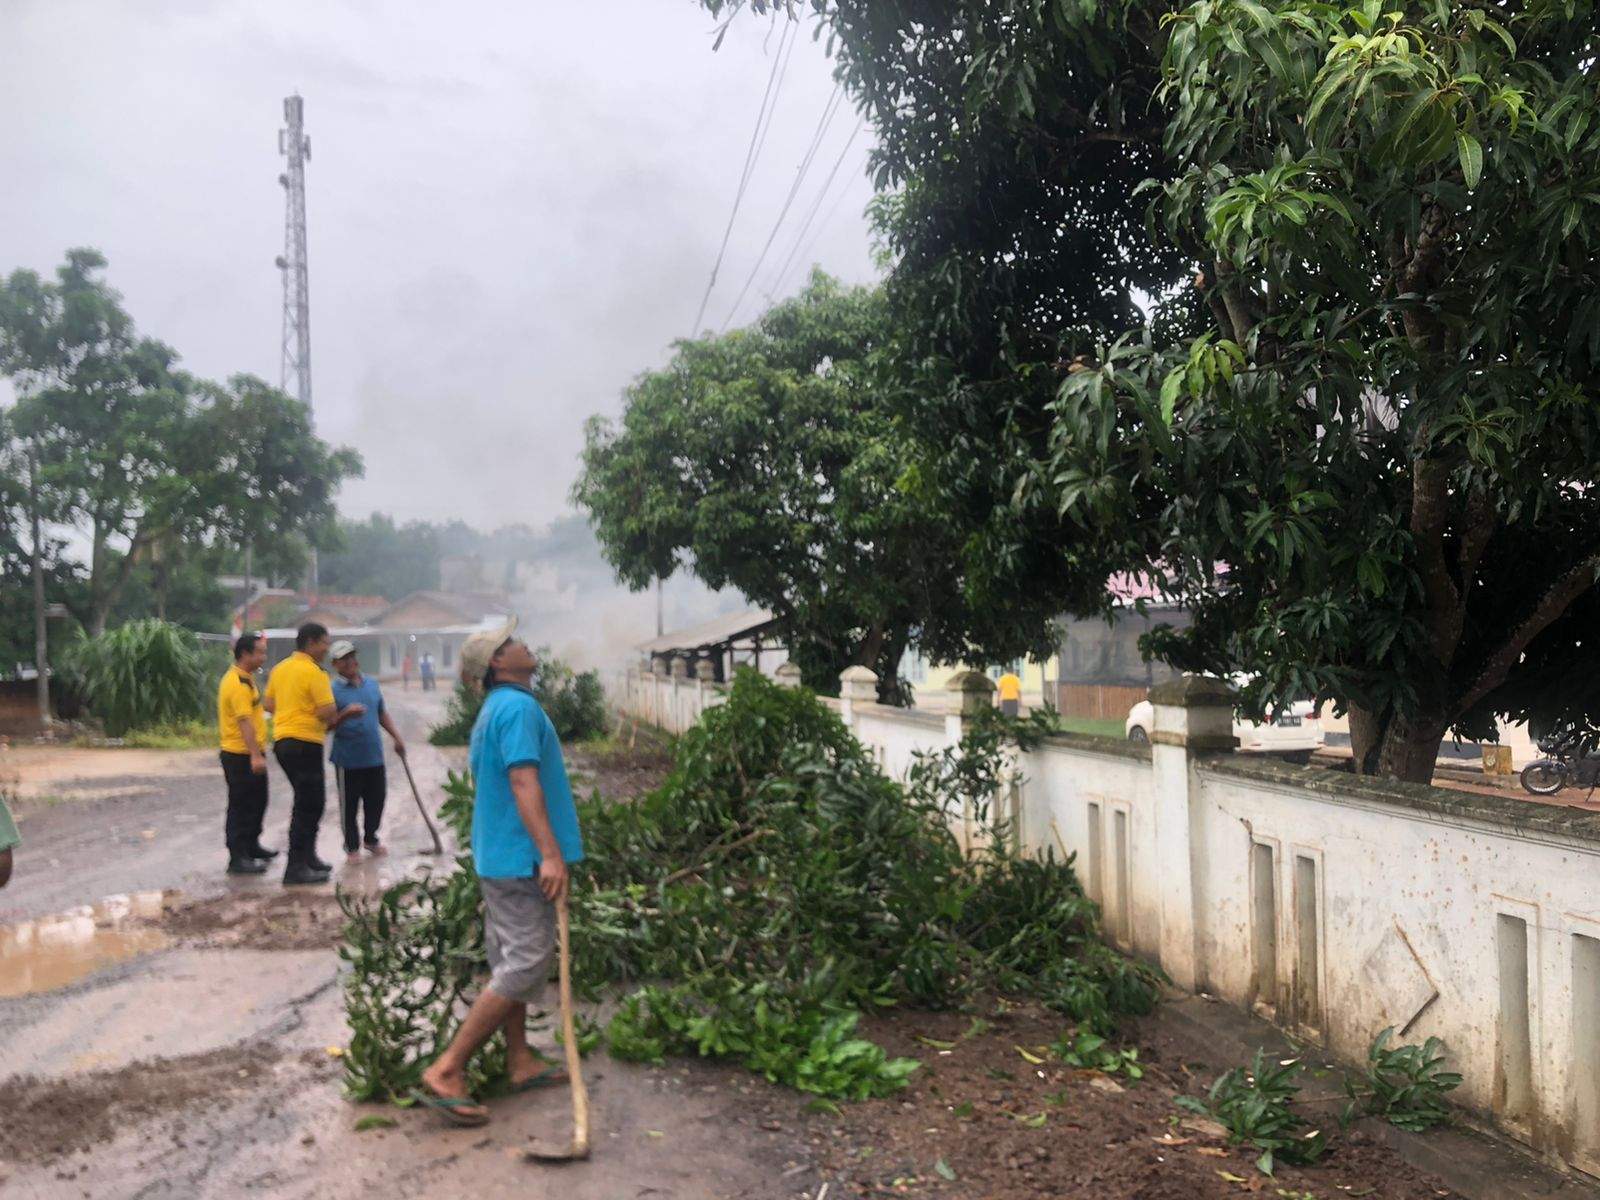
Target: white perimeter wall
{"points": [[1335, 906]]}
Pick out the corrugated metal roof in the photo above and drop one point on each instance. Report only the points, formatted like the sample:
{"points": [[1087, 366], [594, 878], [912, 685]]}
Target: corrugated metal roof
{"points": [[710, 633]]}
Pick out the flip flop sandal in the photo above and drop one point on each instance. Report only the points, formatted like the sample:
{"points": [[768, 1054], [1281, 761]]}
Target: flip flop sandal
{"points": [[449, 1107], [550, 1076]]}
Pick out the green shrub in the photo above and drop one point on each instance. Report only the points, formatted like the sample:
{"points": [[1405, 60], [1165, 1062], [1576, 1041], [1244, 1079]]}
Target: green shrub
{"points": [[1254, 1104], [574, 702], [1405, 1085], [140, 675]]}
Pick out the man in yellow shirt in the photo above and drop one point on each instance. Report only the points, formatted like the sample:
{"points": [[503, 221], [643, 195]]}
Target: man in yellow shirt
{"points": [[242, 736], [300, 698], [1010, 693]]}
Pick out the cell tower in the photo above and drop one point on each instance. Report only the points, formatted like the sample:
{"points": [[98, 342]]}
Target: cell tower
{"points": [[296, 147]]}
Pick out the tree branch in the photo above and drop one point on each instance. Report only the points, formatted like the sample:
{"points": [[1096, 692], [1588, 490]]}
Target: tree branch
{"points": [[1555, 602]]}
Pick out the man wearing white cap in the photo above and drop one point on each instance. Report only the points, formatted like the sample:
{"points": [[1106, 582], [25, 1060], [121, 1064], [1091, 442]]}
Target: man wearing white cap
{"points": [[357, 753], [524, 833]]}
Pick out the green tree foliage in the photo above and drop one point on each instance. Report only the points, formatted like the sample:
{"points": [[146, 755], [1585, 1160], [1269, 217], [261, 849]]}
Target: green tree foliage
{"points": [[769, 460], [1361, 447], [378, 557], [141, 675], [149, 463]]}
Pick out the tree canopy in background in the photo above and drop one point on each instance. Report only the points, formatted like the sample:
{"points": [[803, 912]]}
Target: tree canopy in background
{"points": [[153, 467], [771, 460], [1356, 434]]}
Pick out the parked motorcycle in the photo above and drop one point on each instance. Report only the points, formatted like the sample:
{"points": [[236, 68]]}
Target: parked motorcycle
{"points": [[1567, 760]]}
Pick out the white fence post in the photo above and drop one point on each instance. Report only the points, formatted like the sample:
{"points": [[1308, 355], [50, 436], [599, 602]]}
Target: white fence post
{"points": [[857, 685], [974, 692], [1193, 715]]}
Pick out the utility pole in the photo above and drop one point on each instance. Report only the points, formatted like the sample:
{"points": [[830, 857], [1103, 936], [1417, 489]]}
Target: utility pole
{"points": [[295, 375]]}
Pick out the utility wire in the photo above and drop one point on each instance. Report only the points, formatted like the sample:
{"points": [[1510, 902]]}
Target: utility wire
{"points": [[758, 139], [822, 226], [779, 276], [828, 111]]}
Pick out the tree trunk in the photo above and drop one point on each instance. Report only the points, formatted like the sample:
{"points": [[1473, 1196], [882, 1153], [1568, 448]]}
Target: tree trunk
{"points": [[1410, 748], [1366, 738], [41, 632]]}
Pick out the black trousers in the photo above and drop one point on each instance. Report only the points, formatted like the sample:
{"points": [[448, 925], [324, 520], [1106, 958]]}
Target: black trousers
{"points": [[367, 788], [302, 763], [247, 804]]}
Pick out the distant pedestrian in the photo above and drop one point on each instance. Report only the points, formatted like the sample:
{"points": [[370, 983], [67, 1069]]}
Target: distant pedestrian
{"points": [[406, 667], [358, 750], [242, 742], [427, 672], [300, 697], [524, 833], [1010, 693], [10, 839]]}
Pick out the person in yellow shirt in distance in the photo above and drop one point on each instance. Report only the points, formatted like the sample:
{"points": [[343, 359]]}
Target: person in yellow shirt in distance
{"points": [[1010, 693], [300, 698], [242, 738]]}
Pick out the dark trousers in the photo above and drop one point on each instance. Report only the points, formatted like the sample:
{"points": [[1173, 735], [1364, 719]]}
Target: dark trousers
{"points": [[302, 763], [247, 804], [427, 681], [364, 787]]}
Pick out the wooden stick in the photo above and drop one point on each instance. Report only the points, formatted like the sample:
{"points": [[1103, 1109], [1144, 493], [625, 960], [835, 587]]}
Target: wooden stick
{"points": [[569, 1039], [438, 846]]}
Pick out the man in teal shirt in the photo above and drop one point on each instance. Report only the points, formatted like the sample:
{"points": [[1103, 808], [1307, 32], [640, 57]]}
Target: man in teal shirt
{"points": [[524, 833]]}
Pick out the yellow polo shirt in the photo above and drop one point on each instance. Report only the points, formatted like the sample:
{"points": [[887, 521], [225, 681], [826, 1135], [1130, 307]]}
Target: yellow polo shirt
{"points": [[299, 686], [1010, 687], [237, 697]]}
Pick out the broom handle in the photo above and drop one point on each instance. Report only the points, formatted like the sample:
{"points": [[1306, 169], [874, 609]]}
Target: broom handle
{"points": [[569, 1039], [438, 846]]}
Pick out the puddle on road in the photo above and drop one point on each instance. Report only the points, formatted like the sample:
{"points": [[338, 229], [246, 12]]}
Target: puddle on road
{"points": [[52, 952]]}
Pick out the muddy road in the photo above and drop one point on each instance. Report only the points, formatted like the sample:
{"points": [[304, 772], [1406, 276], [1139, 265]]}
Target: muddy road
{"points": [[97, 823], [169, 1031]]}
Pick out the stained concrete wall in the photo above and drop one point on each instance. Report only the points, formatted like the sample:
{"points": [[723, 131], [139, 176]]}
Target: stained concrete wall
{"points": [[1333, 905]]}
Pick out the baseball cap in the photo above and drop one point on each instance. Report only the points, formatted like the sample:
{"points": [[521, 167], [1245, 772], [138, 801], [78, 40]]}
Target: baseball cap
{"points": [[478, 649], [340, 648]]}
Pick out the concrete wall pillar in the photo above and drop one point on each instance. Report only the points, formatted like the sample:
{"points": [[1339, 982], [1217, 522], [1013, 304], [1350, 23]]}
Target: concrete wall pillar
{"points": [[1193, 716], [973, 692], [857, 685], [788, 675]]}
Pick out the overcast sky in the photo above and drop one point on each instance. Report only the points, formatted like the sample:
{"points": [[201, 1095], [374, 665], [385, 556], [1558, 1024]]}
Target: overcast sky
{"points": [[513, 206]]}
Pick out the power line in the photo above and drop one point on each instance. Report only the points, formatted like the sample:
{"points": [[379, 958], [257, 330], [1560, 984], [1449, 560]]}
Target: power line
{"points": [[783, 270], [758, 139], [828, 111]]}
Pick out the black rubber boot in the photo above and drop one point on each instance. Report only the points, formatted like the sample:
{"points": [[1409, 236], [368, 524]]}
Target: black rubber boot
{"points": [[240, 865]]}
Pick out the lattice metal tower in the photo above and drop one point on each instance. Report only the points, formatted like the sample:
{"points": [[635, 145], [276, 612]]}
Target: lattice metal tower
{"points": [[296, 147]]}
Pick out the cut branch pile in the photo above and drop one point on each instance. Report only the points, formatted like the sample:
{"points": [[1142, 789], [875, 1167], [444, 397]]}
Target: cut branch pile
{"points": [[773, 888]]}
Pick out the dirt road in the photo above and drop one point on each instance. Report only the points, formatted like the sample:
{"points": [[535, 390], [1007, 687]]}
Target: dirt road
{"points": [[174, 1042]]}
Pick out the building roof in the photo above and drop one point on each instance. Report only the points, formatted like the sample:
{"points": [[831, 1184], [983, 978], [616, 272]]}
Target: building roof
{"points": [[469, 606], [716, 632]]}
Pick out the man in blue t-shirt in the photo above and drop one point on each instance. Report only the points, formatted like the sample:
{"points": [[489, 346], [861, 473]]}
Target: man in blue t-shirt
{"points": [[524, 833], [357, 752]]}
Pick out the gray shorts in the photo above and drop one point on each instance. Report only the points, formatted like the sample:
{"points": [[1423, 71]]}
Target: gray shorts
{"points": [[519, 932], [1008, 708]]}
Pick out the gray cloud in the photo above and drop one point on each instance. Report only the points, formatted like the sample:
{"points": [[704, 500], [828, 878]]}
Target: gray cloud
{"points": [[513, 206]]}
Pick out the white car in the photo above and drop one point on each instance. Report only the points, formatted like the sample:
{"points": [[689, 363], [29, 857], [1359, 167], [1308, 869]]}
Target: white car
{"points": [[1293, 733]]}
